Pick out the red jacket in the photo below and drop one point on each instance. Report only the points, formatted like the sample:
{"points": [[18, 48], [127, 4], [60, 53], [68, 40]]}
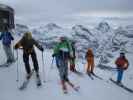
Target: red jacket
{"points": [[122, 63]]}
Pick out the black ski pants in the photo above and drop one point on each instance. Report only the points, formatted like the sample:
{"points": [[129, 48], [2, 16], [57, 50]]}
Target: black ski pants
{"points": [[34, 60]]}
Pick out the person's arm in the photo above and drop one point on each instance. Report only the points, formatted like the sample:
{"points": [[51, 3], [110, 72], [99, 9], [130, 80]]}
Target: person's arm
{"points": [[55, 50], [127, 62], [38, 45], [18, 44], [116, 61], [1, 36], [12, 38]]}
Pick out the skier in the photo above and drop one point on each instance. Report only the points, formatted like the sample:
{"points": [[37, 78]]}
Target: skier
{"points": [[62, 52], [27, 43], [122, 64], [72, 59], [90, 61], [6, 38]]}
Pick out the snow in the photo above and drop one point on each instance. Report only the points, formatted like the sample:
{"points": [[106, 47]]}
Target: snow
{"points": [[89, 89]]}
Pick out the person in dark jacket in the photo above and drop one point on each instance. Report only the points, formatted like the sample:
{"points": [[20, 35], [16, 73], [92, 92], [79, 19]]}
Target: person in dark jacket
{"points": [[122, 64], [6, 38], [27, 43]]}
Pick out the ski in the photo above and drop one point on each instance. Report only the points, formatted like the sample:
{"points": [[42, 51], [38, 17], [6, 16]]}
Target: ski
{"points": [[122, 86], [76, 88], [89, 74], [65, 91], [25, 83], [7, 64], [96, 76], [78, 73], [4, 65]]}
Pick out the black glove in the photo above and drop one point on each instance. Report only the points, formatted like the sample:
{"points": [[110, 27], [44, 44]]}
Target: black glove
{"points": [[42, 49], [53, 55]]}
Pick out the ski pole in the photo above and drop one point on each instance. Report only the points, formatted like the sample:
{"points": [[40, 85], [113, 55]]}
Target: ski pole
{"points": [[17, 68], [13, 50], [51, 67], [43, 67]]}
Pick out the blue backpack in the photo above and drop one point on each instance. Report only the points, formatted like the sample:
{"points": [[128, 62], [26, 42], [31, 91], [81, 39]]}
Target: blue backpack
{"points": [[6, 38]]}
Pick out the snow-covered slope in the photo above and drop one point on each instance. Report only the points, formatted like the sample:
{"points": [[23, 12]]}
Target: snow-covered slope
{"points": [[89, 89], [105, 44]]}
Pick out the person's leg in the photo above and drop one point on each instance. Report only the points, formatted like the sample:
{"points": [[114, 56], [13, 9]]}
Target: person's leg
{"points": [[88, 67], [57, 62], [11, 56], [66, 73], [26, 62], [63, 85], [35, 62], [92, 66], [6, 52], [120, 75], [60, 66], [72, 65]]}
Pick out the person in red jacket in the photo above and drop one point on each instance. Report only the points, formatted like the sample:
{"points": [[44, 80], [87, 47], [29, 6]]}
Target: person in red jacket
{"points": [[122, 64]]}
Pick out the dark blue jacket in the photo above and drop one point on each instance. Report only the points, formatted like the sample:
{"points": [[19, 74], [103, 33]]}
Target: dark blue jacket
{"points": [[6, 38]]}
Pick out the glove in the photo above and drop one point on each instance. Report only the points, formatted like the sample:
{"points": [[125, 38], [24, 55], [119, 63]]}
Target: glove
{"points": [[53, 55], [42, 49], [16, 47]]}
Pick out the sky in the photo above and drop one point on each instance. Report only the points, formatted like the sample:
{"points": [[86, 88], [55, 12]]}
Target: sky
{"points": [[45, 11]]}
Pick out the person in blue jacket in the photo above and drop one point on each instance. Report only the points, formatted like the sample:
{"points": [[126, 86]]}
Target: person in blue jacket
{"points": [[6, 38]]}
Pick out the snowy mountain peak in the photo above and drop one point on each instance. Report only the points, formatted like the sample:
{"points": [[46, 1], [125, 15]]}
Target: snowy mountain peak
{"points": [[21, 26], [81, 30], [103, 27], [20, 29], [52, 26], [120, 30]]}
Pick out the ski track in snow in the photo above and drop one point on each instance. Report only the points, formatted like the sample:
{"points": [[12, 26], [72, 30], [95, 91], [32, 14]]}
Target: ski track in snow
{"points": [[89, 89]]}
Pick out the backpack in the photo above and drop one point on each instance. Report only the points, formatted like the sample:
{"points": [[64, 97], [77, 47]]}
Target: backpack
{"points": [[6, 38]]}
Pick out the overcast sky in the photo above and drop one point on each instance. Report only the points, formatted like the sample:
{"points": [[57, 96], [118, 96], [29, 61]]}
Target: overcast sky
{"points": [[38, 11]]}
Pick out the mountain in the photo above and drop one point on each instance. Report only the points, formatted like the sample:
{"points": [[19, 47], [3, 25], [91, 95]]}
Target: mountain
{"points": [[49, 34], [104, 27], [103, 39], [84, 39], [52, 26], [20, 29]]}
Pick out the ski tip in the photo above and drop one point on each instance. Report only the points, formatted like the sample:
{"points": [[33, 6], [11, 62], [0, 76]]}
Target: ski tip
{"points": [[77, 88], [21, 88], [17, 80], [65, 91], [39, 85], [44, 81]]}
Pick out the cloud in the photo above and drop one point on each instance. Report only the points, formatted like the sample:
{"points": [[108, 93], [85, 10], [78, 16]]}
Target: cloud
{"points": [[38, 11]]}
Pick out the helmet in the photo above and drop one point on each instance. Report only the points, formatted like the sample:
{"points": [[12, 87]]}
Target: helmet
{"points": [[28, 35], [62, 38], [73, 42], [122, 53]]}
